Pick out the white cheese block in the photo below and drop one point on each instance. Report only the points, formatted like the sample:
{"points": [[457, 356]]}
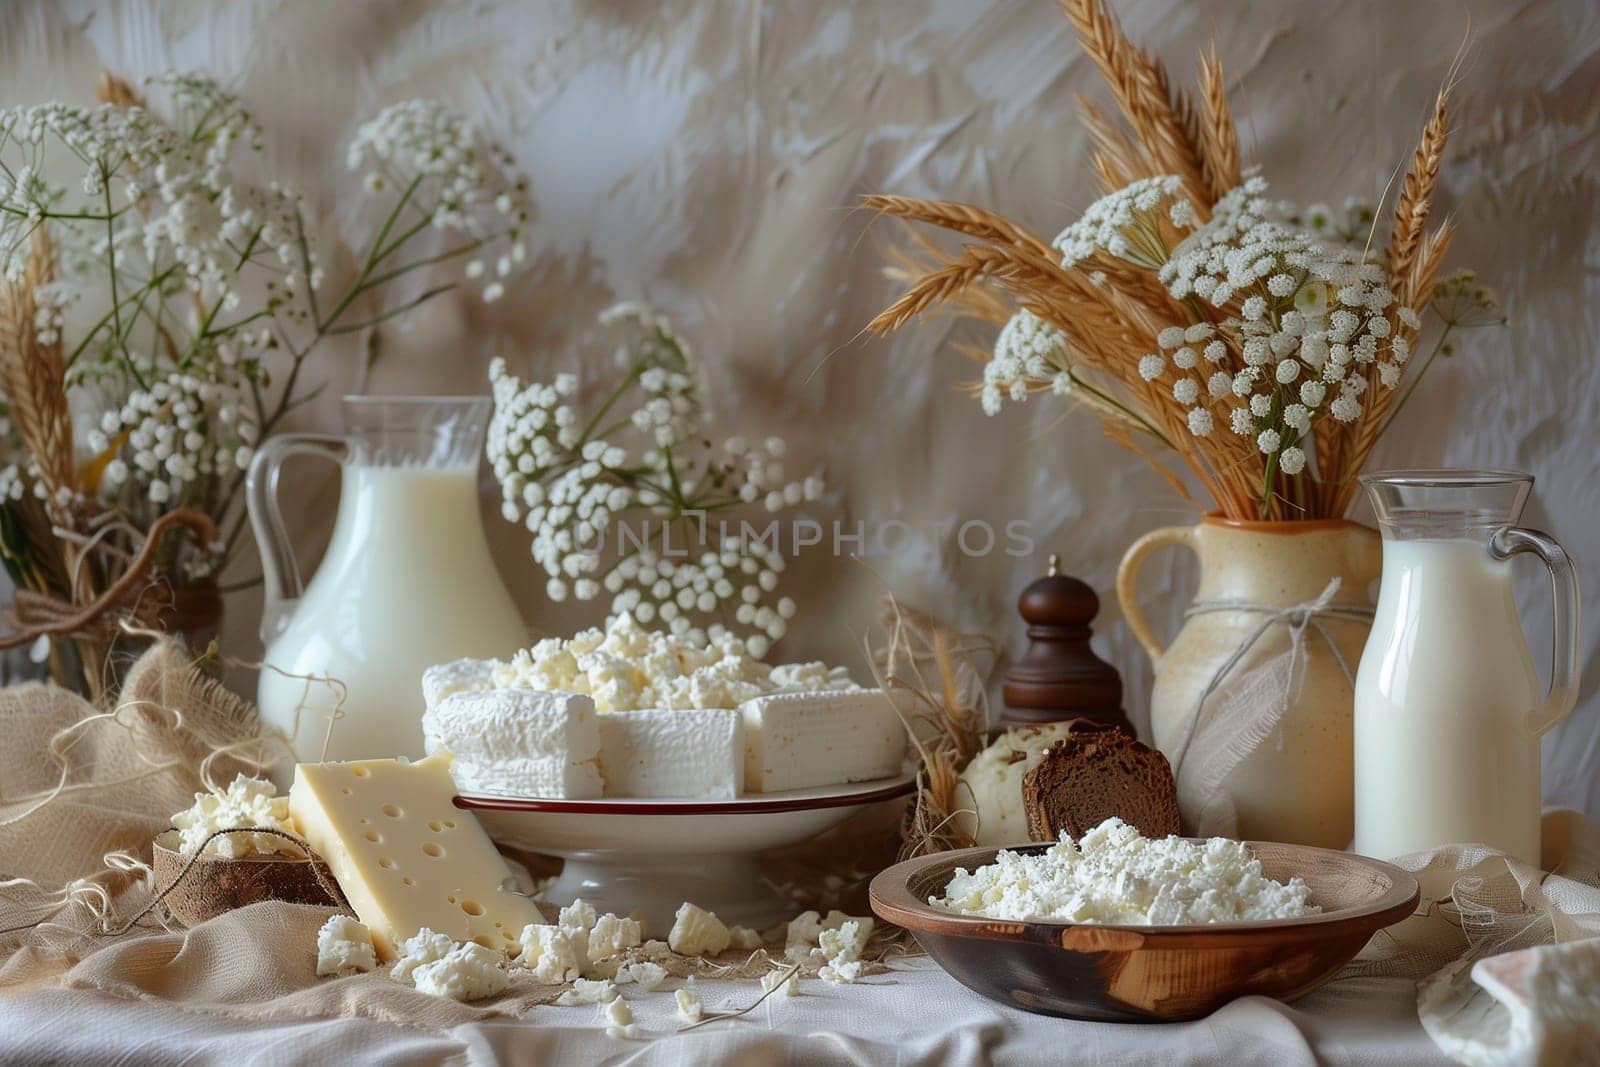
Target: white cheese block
{"points": [[518, 742], [457, 676], [405, 856], [800, 740], [660, 753]]}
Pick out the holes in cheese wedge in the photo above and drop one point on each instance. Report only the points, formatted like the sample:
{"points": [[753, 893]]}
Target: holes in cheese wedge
{"points": [[449, 824], [408, 880], [386, 863], [431, 848], [373, 836], [391, 810], [484, 941], [472, 907], [359, 771], [435, 825]]}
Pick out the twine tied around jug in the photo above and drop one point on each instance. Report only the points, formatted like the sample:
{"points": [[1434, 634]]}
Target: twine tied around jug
{"points": [[1259, 700]]}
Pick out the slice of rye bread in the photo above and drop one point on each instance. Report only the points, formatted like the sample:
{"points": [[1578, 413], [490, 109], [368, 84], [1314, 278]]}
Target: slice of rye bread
{"points": [[1093, 774]]}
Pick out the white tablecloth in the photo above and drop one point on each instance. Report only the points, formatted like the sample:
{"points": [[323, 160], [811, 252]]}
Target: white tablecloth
{"points": [[914, 1016]]}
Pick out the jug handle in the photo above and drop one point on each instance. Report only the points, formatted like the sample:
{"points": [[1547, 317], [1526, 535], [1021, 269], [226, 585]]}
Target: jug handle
{"points": [[1128, 582], [1563, 695], [280, 574]]}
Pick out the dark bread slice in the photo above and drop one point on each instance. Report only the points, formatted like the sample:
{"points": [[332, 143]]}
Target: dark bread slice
{"points": [[1093, 774]]}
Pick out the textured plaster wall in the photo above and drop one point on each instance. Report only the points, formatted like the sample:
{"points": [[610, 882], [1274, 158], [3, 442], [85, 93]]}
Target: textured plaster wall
{"points": [[706, 156]]}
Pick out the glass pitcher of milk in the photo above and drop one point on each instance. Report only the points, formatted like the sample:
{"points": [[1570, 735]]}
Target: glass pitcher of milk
{"points": [[1448, 706], [406, 582]]}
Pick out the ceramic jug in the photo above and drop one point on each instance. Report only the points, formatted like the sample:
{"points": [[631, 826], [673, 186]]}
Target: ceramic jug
{"points": [[1449, 707], [407, 580], [1296, 784]]}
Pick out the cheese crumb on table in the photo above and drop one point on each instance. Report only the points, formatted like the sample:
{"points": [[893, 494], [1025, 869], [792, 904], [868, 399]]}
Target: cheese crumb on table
{"points": [[579, 915], [467, 972], [690, 1009], [611, 936], [343, 946], [247, 803], [789, 980], [1113, 874], [810, 934], [647, 976], [841, 972], [697, 932], [588, 991], [425, 946], [549, 952], [620, 1016], [744, 939]]}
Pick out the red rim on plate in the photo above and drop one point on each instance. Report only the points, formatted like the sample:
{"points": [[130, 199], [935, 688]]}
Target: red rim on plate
{"points": [[747, 804]]}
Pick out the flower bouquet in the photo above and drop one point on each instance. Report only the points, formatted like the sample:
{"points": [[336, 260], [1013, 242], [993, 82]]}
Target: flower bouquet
{"points": [[156, 317], [1265, 347], [643, 454]]}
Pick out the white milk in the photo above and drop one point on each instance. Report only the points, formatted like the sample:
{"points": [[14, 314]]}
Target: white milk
{"points": [[407, 582], [1443, 750]]}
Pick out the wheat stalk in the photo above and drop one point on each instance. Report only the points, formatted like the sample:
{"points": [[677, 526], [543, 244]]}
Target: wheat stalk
{"points": [[1415, 204], [33, 374], [1219, 142], [1116, 159], [113, 90], [969, 219], [1164, 121]]}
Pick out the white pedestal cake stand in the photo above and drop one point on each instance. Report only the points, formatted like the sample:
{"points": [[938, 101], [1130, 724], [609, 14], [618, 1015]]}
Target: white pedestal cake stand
{"points": [[631, 855]]}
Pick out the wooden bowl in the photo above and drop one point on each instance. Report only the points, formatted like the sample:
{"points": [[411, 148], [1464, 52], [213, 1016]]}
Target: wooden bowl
{"points": [[1150, 973], [216, 884]]}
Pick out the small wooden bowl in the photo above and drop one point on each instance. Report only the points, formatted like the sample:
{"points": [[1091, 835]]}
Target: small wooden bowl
{"points": [[216, 884], [1150, 973]]}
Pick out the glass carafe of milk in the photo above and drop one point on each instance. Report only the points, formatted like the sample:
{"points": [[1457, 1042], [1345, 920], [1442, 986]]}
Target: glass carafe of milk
{"points": [[1448, 706], [406, 582]]}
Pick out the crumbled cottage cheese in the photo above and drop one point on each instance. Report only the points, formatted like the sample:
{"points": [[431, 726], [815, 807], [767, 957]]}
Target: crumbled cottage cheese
{"points": [[467, 972], [344, 946], [697, 932], [690, 1009], [247, 803], [626, 668], [1113, 874]]}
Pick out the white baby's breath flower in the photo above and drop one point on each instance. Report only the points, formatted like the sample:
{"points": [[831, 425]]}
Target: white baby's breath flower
{"points": [[1268, 441], [1125, 224], [569, 487], [1151, 367], [1200, 422], [1291, 460]]}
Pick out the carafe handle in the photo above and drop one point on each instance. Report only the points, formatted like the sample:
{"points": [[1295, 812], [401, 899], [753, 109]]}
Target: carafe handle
{"points": [[1128, 582], [281, 583], [1563, 695]]}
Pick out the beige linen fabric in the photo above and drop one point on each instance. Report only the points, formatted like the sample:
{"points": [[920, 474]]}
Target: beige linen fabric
{"points": [[1482, 906]]}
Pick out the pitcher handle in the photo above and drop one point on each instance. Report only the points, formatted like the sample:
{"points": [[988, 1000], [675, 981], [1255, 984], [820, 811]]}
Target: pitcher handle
{"points": [[280, 573], [1563, 695], [1128, 582]]}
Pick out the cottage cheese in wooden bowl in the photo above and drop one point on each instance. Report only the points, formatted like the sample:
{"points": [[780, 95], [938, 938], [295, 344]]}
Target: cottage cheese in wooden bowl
{"points": [[1116, 926], [1113, 874]]}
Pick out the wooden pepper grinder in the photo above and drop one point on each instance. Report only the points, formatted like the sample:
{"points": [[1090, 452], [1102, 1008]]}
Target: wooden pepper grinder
{"points": [[1059, 676]]}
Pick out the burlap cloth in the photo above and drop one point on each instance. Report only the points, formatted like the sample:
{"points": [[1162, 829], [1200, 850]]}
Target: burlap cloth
{"points": [[83, 791]]}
